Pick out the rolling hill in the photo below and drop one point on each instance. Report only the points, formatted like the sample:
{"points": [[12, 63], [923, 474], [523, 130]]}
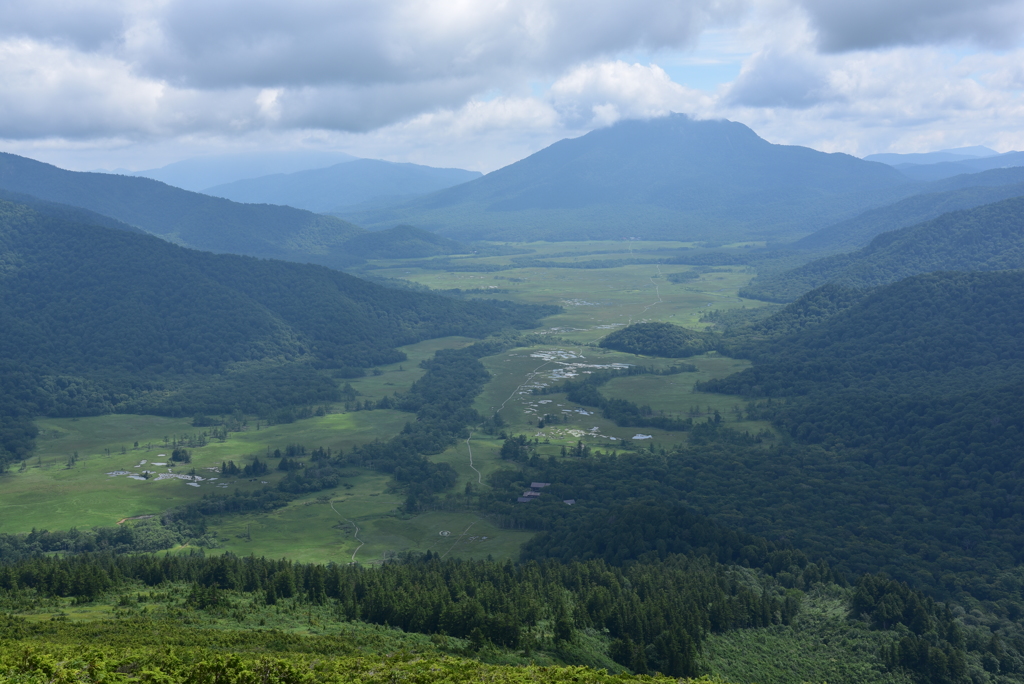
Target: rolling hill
{"points": [[342, 185], [672, 178], [186, 218], [986, 238]]}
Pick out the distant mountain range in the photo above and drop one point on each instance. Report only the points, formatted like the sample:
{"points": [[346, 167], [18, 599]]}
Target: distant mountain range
{"points": [[209, 223], [932, 166], [199, 173], [986, 238], [952, 155], [668, 178], [341, 186], [186, 218]]}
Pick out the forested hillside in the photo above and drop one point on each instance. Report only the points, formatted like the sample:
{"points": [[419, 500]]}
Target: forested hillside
{"points": [[402, 242], [987, 238], [98, 320], [667, 178], [67, 212], [916, 392], [659, 339], [919, 330], [183, 217]]}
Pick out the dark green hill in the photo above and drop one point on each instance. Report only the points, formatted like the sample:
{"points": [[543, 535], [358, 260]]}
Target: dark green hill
{"points": [[186, 218], [744, 327], [671, 177], [67, 212], [992, 186], [924, 326], [659, 339], [905, 413], [402, 242], [987, 238], [343, 185], [98, 320]]}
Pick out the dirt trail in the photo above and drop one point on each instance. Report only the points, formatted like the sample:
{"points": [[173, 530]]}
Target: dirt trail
{"points": [[135, 517], [458, 540], [479, 477], [354, 536], [657, 292], [529, 377]]}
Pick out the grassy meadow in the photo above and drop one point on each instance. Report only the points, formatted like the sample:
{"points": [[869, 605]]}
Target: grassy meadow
{"points": [[50, 494], [361, 520]]}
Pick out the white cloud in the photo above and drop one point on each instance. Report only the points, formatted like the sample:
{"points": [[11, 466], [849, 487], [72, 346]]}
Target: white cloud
{"points": [[599, 94], [269, 43], [776, 78], [481, 135], [480, 83], [865, 24], [86, 25], [904, 99], [192, 67]]}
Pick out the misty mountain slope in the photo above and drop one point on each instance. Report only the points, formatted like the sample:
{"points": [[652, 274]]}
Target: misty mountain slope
{"points": [[342, 185], [957, 154], [97, 320], [931, 172], [671, 177], [986, 238], [949, 195], [187, 218], [198, 173]]}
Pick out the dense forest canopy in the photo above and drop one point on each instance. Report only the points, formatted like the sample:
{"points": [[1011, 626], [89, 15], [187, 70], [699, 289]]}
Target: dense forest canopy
{"points": [[402, 242], [659, 339]]}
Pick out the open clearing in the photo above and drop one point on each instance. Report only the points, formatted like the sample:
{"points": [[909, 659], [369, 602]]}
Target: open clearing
{"points": [[54, 496], [322, 526]]}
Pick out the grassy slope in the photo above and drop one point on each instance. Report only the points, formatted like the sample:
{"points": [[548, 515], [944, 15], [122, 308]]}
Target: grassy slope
{"points": [[147, 633], [822, 646]]}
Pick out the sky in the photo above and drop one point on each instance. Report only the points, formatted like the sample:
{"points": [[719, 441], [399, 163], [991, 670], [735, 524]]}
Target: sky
{"points": [[479, 84]]}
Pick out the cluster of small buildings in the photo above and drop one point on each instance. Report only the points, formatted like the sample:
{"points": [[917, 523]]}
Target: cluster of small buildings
{"points": [[531, 493]]}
